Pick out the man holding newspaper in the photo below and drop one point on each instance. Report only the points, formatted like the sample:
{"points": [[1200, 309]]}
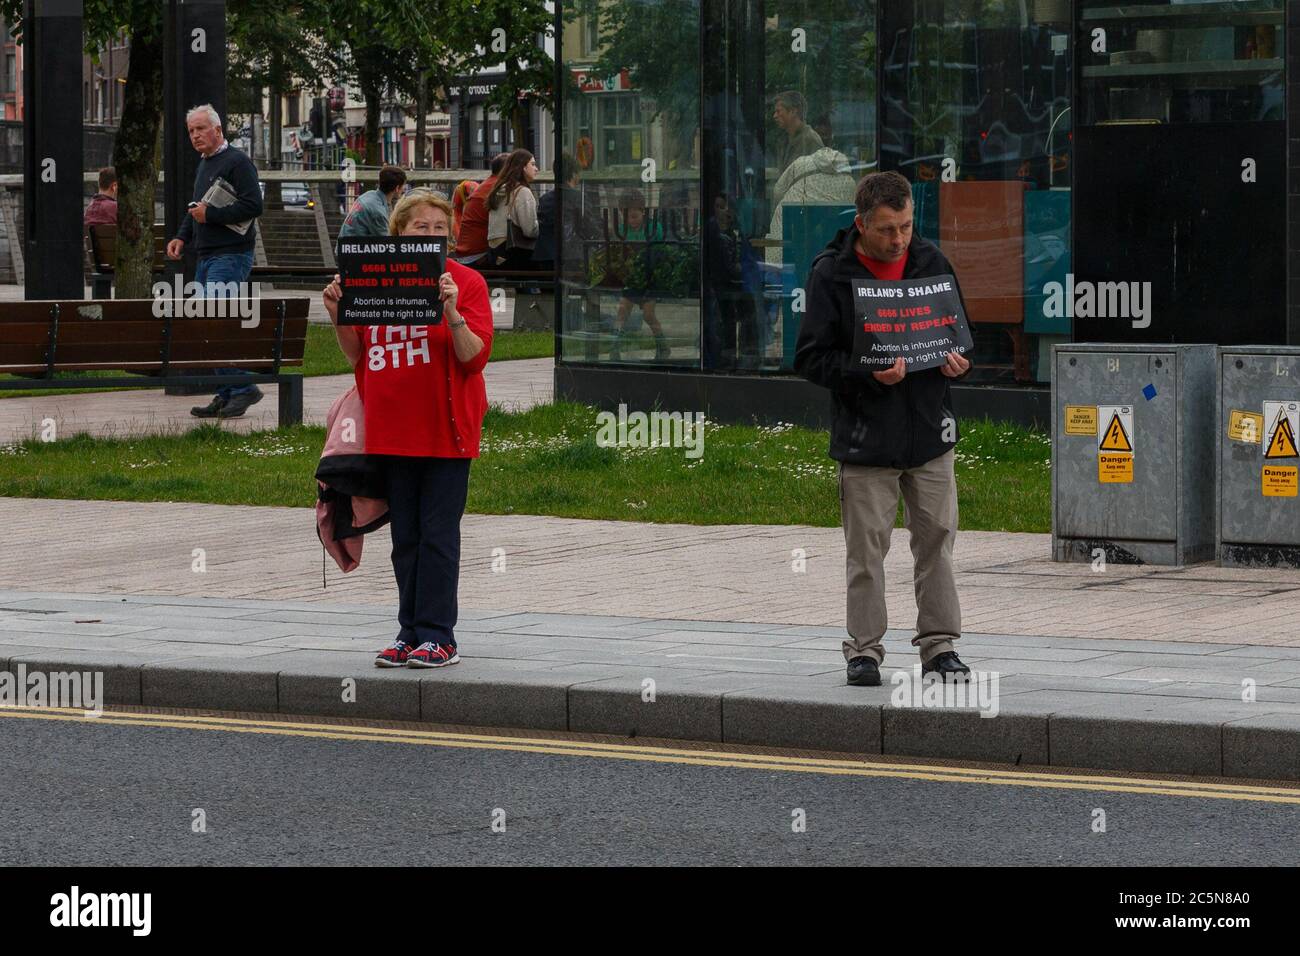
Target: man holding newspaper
{"points": [[227, 200]]}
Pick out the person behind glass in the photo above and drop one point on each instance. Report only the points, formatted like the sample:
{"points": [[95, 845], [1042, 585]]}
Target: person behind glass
{"points": [[800, 139], [512, 213], [639, 234], [422, 390], [562, 225], [225, 253], [728, 302]]}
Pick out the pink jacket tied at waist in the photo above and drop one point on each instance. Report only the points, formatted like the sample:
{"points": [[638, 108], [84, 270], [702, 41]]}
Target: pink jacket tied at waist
{"points": [[350, 496]]}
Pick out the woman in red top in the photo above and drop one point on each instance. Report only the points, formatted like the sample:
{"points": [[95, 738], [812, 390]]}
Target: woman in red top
{"points": [[424, 399]]}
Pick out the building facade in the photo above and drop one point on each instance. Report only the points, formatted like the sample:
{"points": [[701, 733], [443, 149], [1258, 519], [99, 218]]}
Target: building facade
{"points": [[1093, 173]]}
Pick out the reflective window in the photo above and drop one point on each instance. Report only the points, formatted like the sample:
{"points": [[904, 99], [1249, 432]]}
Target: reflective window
{"points": [[976, 113], [630, 115], [1181, 62], [790, 128]]}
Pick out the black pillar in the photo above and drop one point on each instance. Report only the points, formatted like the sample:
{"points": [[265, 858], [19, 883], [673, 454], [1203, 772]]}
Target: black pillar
{"points": [[52, 150], [194, 72]]}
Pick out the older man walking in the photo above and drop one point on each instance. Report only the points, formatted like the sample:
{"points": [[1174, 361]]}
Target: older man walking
{"points": [[224, 234]]}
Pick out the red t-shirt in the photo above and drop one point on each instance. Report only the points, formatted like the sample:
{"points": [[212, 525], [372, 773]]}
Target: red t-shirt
{"points": [[884, 271], [472, 238], [419, 399]]}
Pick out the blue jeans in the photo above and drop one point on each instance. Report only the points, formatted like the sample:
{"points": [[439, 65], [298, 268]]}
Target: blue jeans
{"points": [[211, 272]]}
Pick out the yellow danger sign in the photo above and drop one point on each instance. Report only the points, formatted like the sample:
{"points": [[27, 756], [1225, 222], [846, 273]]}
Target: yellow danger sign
{"points": [[1280, 481], [1116, 437], [1281, 441], [1114, 468], [1245, 427], [1081, 420]]}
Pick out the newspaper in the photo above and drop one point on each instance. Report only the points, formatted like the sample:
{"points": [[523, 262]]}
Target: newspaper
{"points": [[221, 194]]}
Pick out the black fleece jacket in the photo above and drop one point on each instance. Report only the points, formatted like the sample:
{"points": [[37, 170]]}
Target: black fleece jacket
{"points": [[890, 426], [214, 238]]}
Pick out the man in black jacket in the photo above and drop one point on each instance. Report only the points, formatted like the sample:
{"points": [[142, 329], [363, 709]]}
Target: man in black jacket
{"points": [[224, 236], [892, 429]]}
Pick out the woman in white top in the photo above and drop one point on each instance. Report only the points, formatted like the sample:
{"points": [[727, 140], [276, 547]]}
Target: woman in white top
{"points": [[512, 213]]}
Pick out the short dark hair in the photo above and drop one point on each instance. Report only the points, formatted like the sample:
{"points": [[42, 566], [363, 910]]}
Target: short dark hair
{"points": [[565, 168], [882, 189], [107, 176], [793, 100], [390, 178], [498, 163]]}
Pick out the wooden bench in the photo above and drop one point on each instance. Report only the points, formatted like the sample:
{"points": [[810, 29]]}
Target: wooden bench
{"points": [[38, 339], [101, 248]]}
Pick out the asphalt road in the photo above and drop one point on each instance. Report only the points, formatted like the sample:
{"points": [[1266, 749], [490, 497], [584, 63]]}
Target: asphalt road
{"points": [[97, 793]]}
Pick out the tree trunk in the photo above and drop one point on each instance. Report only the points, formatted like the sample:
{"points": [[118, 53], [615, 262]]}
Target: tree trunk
{"points": [[519, 122], [421, 120], [370, 92], [274, 150], [136, 157]]}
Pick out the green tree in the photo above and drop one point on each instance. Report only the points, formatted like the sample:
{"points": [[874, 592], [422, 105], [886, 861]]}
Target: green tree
{"points": [[137, 147], [511, 33], [257, 26]]}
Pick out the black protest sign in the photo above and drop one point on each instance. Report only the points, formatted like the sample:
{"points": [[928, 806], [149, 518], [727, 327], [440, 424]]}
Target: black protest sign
{"points": [[391, 280], [917, 320]]}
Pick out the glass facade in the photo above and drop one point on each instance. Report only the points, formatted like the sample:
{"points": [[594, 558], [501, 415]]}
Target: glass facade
{"points": [[976, 114], [720, 143]]}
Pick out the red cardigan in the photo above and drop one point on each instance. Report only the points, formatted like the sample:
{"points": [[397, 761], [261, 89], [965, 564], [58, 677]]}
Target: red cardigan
{"points": [[419, 398]]}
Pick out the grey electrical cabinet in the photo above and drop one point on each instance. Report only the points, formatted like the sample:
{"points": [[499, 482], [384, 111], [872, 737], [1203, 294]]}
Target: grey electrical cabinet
{"points": [[1133, 453], [1259, 408]]}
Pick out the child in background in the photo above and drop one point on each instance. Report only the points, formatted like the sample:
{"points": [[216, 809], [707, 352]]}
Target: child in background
{"points": [[636, 289]]}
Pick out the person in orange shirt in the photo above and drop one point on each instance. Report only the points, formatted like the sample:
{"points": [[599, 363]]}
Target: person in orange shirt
{"points": [[471, 241], [459, 196], [422, 391]]}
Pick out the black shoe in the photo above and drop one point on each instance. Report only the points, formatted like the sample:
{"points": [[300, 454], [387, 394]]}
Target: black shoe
{"points": [[240, 403], [209, 410], [946, 665], [864, 672]]}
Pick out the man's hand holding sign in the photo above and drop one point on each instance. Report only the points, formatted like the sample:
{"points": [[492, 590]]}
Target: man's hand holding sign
{"points": [[909, 325], [954, 367]]}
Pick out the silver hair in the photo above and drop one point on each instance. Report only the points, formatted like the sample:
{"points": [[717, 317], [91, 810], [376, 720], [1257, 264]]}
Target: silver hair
{"points": [[213, 116]]}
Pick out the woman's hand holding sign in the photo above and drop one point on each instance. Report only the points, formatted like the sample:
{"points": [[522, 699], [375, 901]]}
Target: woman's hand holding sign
{"points": [[463, 339], [448, 291], [349, 336]]}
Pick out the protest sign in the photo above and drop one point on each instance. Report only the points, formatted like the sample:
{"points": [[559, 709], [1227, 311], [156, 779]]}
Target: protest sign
{"points": [[917, 320], [391, 280]]}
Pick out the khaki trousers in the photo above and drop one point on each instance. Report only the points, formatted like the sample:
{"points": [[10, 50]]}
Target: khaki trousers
{"points": [[868, 505]]}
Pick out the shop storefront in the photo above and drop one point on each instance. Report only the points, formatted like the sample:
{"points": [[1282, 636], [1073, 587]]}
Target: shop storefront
{"points": [[478, 132], [1093, 172]]}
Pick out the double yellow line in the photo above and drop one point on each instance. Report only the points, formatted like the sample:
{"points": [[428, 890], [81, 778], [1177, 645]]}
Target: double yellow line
{"points": [[698, 758]]}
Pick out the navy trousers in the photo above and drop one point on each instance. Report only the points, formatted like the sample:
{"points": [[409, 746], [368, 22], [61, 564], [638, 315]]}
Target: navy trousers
{"points": [[426, 500]]}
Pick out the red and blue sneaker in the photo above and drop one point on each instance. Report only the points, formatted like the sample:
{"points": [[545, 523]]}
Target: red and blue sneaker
{"points": [[394, 655], [430, 654]]}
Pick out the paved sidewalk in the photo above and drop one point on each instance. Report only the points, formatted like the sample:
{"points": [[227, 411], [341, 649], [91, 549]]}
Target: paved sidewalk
{"points": [[517, 385], [1120, 705], [737, 573]]}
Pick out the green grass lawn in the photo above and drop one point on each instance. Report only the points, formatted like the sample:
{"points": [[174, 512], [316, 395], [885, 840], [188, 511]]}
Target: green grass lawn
{"points": [[545, 461], [321, 356]]}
